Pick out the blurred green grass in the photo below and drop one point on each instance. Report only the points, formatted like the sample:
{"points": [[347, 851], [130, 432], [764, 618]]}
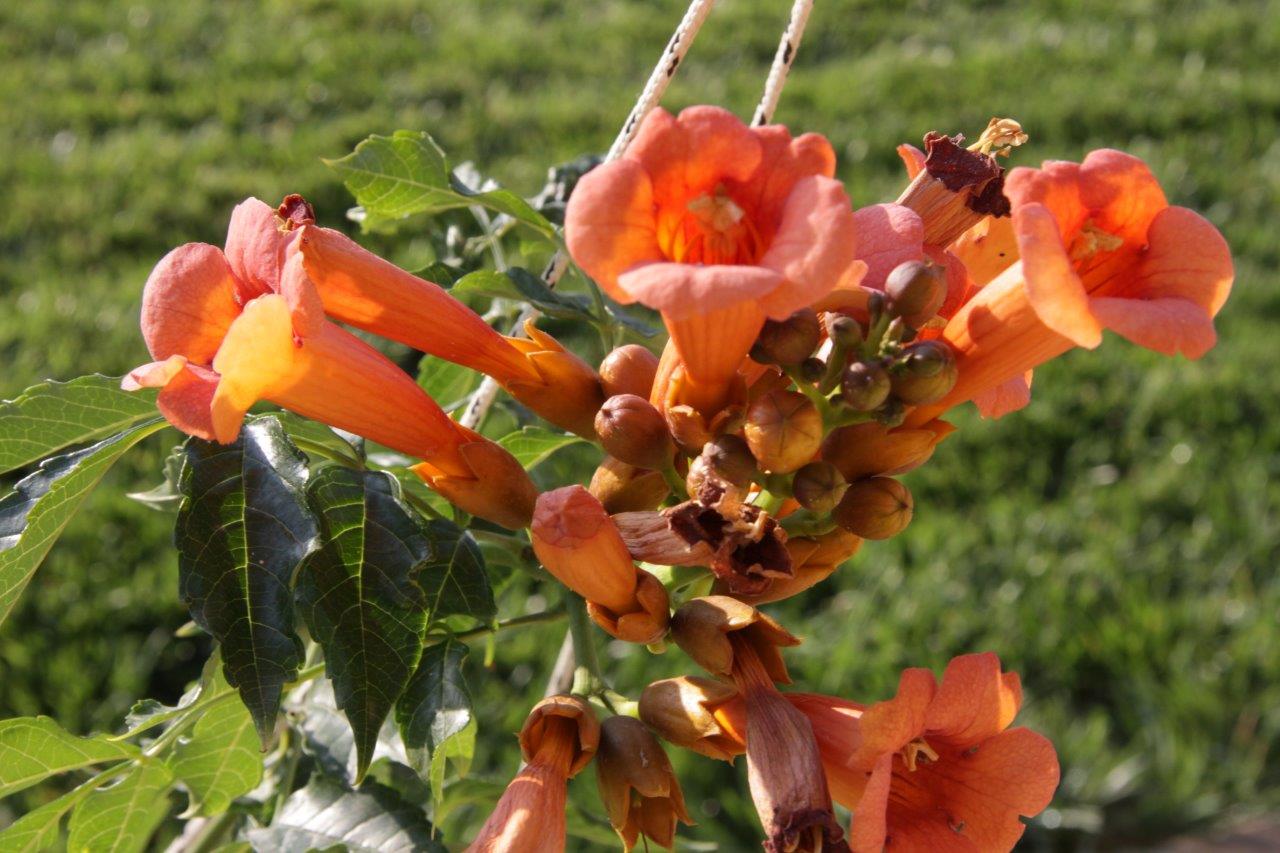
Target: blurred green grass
{"points": [[1116, 543]]}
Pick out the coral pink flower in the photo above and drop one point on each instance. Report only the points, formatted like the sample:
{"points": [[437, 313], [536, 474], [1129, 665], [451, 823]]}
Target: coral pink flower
{"points": [[227, 329], [1099, 247], [718, 226], [942, 768]]}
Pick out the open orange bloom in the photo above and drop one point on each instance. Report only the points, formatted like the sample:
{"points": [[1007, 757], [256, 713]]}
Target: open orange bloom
{"points": [[942, 770], [718, 226], [227, 329], [1099, 247]]}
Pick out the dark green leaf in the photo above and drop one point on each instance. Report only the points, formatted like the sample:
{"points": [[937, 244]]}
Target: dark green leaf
{"points": [[533, 444], [447, 383], [523, 286], [326, 734], [453, 577], [122, 817], [322, 815], [34, 748], [317, 439], [34, 514], [434, 714], [439, 273], [359, 595], [221, 759], [241, 531], [52, 415], [406, 173]]}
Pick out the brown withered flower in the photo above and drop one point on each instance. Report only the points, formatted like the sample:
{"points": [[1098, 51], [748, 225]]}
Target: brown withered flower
{"points": [[686, 711], [558, 739], [784, 769], [956, 187], [639, 789]]}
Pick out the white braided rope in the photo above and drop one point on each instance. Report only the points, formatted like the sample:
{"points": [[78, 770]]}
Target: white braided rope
{"points": [[782, 60], [656, 86]]}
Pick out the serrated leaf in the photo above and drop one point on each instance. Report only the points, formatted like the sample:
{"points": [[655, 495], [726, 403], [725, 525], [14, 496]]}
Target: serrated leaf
{"points": [[34, 748], [533, 444], [406, 173], [323, 815], [453, 577], [220, 761], [359, 595], [242, 529], [523, 286], [34, 514], [52, 415], [435, 715], [122, 817], [39, 829], [447, 383]]}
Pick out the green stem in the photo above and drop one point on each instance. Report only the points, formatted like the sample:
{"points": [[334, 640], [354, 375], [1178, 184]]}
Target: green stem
{"points": [[553, 615], [805, 523], [587, 678]]}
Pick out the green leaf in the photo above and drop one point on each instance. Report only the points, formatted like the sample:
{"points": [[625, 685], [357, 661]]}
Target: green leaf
{"points": [[447, 383], [34, 514], [523, 286], [359, 595], [52, 415], [316, 439], [34, 748], [435, 715], [241, 531], [165, 496], [453, 577], [533, 444], [38, 830], [396, 176], [220, 760], [122, 817], [322, 815]]}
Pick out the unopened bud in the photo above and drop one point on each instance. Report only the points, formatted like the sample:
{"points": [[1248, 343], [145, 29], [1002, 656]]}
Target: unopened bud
{"points": [[683, 711], [843, 330], [578, 543], [862, 450], [640, 792], [788, 342], [702, 628], [497, 489], [625, 488], [628, 370], [877, 508], [818, 487], [567, 391], [632, 430], [730, 457], [646, 619], [812, 369], [783, 430], [926, 373], [865, 386], [916, 290]]}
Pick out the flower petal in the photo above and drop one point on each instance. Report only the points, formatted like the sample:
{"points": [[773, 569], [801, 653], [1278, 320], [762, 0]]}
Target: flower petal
{"points": [[687, 155], [912, 158], [1008, 397], [887, 727], [1056, 186], [1169, 326], [1186, 257], [186, 401], [609, 224], [256, 357], [885, 236], [1120, 193], [987, 249], [255, 247], [1055, 291], [681, 291], [813, 248], [783, 164], [188, 303], [974, 702]]}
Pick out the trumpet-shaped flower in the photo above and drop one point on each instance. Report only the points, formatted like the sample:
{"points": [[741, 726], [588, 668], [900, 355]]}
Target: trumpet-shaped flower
{"points": [[227, 329], [1100, 248], [718, 226]]}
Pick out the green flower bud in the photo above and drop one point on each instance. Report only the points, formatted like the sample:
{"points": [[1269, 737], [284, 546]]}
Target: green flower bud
{"points": [[843, 330], [865, 386], [788, 342], [926, 373], [818, 487], [915, 291]]}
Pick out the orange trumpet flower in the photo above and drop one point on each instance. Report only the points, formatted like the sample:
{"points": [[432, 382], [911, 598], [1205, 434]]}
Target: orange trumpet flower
{"points": [[718, 226], [229, 329], [1099, 247]]}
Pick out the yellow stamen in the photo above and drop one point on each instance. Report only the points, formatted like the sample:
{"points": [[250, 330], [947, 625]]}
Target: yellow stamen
{"points": [[1091, 240], [1000, 136], [912, 752]]}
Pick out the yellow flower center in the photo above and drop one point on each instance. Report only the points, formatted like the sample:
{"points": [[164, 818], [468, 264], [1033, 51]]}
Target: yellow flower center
{"points": [[712, 229], [1091, 240], [916, 751]]}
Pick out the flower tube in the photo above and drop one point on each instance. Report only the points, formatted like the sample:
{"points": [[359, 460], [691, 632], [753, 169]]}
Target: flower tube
{"points": [[227, 329]]}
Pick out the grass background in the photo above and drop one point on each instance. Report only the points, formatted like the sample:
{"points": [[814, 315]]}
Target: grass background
{"points": [[1116, 543]]}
